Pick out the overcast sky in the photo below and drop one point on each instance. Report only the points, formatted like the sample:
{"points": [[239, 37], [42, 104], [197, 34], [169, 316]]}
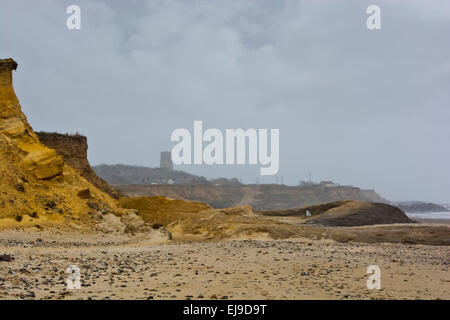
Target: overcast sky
{"points": [[361, 107]]}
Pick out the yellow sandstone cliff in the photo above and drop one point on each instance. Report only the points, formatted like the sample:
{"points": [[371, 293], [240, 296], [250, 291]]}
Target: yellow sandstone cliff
{"points": [[36, 186], [37, 160]]}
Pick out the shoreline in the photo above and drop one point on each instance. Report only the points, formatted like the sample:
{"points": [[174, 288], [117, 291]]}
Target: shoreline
{"points": [[432, 221]]}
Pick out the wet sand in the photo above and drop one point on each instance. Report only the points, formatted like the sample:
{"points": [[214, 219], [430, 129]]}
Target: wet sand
{"points": [[119, 267]]}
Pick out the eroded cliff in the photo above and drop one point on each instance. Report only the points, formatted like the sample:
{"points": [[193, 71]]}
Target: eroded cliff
{"points": [[37, 187], [37, 159], [260, 197], [74, 150]]}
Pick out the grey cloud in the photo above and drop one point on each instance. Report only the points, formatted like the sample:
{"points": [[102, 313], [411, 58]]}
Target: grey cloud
{"points": [[368, 108]]}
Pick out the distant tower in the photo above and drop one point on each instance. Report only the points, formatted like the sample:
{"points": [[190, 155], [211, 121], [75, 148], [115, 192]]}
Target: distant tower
{"points": [[166, 160]]}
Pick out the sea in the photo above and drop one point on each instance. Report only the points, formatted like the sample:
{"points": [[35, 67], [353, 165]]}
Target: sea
{"points": [[429, 215]]}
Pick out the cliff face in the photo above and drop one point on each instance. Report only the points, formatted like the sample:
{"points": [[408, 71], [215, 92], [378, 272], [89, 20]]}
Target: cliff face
{"points": [[37, 159], [261, 197], [36, 187], [74, 150], [125, 174]]}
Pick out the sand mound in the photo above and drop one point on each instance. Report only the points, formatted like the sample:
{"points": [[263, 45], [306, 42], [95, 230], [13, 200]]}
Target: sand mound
{"points": [[355, 213], [161, 210], [197, 221], [301, 211], [193, 221], [345, 213]]}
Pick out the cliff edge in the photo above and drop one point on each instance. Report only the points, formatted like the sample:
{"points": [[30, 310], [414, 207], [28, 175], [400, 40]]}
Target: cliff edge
{"points": [[74, 150], [37, 188], [37, 159]]}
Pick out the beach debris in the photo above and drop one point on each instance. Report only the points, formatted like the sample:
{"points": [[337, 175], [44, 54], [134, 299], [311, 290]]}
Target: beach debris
{"points": [[6, 257]]}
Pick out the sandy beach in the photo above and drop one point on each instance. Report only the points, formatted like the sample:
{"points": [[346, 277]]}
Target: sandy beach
{"points": [[121, 267]]}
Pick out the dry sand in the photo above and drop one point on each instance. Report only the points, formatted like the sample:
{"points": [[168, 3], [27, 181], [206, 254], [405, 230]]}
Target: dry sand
{"points": [[124, 267]]}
